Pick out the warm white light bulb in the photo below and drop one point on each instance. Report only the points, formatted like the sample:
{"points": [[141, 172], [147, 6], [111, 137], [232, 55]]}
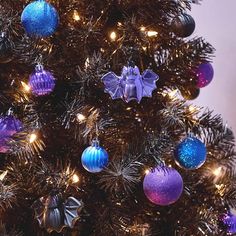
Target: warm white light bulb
{"points": [[75, 178], [113, 35], [151, 33], [80, 117], [32, 138]]}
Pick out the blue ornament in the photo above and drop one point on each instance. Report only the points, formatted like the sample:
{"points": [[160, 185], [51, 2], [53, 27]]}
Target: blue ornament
{"points": [[131, 85], [229, 222], [9, 125], [94, 158], [205, 74], [41, 81], [40, 19], [190, 153]]}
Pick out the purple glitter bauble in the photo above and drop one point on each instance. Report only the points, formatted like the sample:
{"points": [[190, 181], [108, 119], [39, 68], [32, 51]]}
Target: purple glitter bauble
{"points": [[9, 125], [229, 222], [163, 186], [41, 81], [205, 74]]}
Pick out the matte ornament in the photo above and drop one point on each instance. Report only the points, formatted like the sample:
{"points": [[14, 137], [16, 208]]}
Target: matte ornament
{"points": [[40, 19], [6, 47], [183, 25], [41, 81], [163, 186], [190, 153], [131, 85], [205, 74], [94, 158], [229, 223], [9, 125], [54, 214]]}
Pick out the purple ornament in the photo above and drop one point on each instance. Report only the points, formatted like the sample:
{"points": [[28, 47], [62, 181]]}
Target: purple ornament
{"points": [[229, 222], [163, 186], [205, 74], [131, 85], [9, 125], [41, 81]]}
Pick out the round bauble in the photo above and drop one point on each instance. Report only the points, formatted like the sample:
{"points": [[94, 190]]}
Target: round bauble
{"points": [[190, 153], [228, 223], [41, 81], [190, 92], [205, 74], [183, 25], [6, 46], [94, 158], [163, 185], [9, 125], [40, 19]]}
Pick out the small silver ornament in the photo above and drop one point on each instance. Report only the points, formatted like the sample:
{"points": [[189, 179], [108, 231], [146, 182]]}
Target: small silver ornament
{"points": [[54, 214]]}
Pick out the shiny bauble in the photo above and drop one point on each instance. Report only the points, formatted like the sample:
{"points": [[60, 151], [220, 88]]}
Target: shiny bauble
{"points": [[41, 82], [163, 186], [205, 74], [40, 19], [190, 153], [183, 25], [190, 92], [94, 158]]}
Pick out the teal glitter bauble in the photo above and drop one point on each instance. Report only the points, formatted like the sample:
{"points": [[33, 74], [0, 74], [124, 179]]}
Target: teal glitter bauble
{"points": [[40, 19], [190, 153], [94, 158]]}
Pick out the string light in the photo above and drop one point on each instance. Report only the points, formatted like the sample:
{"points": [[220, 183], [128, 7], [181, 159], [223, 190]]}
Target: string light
{"points": [[76, 16], [32, 138], [113, 35], [147, 171], [143, 29], [26, 87], [80, 117], [75, 179], [152, 33], [217, 172], [86, 64], [3, 175]]}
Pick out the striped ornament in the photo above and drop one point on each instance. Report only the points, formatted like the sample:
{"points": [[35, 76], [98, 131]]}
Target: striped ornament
{"points": [[41, 81], [94, 158]]}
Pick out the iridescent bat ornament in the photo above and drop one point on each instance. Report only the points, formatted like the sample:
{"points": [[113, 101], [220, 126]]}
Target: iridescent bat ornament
{"points": [[54, 214], [131, 85]]}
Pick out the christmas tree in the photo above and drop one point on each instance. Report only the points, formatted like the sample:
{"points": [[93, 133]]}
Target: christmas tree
{"points": [[98, 133]]}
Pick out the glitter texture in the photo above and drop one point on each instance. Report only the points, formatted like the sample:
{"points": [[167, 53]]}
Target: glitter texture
{"points": [[205, 74], [94, 158], [163, 186], [190, 153], [9, 125], [41, 81], [229, 222], [40, 19]]}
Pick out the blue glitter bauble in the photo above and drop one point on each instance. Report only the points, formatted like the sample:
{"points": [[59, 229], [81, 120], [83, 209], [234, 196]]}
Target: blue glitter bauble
{"points": [[40, 19], [190, 153], [9, 125], [229, 222], [94, 158], [41, 81], [163, 186]]}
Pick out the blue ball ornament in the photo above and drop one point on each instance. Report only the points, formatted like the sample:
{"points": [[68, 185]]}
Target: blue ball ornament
{"points": [[94, 158], [40, 19], [190, 153], [41, 81]]}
